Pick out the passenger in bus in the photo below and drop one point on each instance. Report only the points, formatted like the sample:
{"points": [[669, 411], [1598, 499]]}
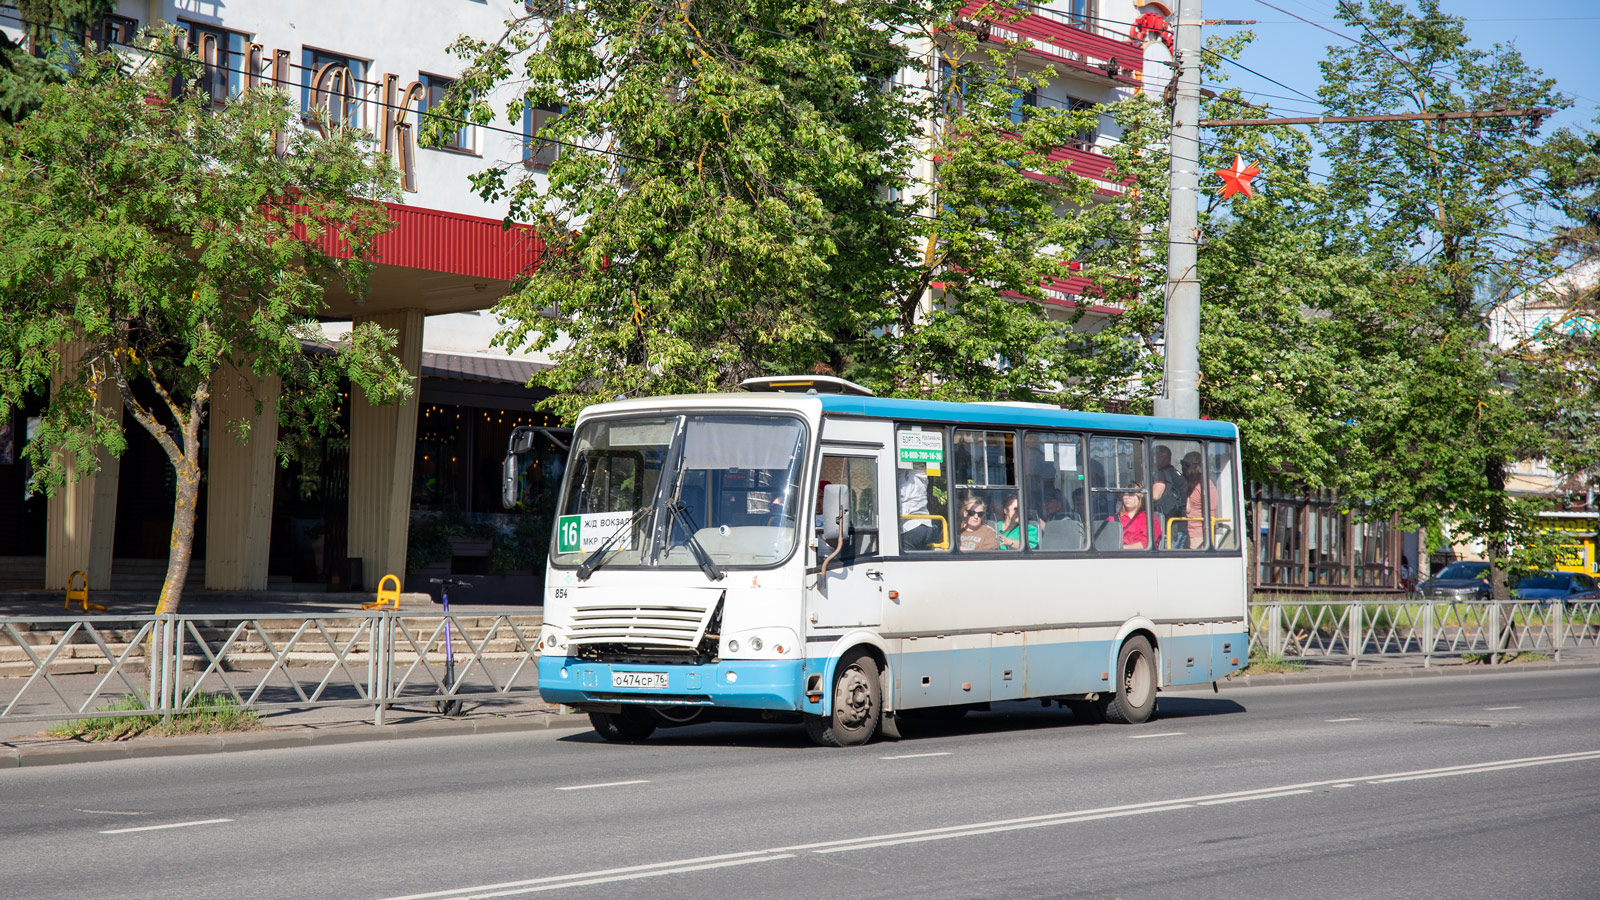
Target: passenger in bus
{"points": [[915, 533], [1167, 488], [1052, 508], [1009, 532], [1136, 525], [976, 534], [1194, 508]]}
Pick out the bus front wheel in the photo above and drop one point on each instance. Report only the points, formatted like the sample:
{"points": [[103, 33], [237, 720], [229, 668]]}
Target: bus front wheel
{"points": [[1135, 697], [624, 727], [857, 705]]}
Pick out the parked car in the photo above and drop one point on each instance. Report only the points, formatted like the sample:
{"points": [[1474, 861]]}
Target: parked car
{"points": [[1459, 581], [1556, 587]]}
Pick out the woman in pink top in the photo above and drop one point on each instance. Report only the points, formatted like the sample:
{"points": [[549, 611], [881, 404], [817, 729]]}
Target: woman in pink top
{"points": [[1194, 503], [1136, 525]]}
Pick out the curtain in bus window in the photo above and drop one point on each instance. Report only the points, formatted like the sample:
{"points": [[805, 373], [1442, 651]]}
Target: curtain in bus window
{"points": [[1225, 521], [740, 444], [1119, 498], [1055, 482]]}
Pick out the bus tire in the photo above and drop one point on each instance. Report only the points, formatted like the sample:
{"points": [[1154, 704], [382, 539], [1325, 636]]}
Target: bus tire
{"points": [[621, 727], [1135, 698], [857, 704]]}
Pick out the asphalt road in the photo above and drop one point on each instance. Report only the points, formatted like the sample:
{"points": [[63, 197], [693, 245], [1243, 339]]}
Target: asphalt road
{"points": [[1485, 786]]}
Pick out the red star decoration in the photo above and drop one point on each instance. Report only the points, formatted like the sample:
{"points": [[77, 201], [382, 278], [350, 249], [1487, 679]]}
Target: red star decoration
{"points": [[1237, 179]]}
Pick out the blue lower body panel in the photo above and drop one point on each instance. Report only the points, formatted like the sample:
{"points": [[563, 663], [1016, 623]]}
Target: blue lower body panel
{"points": [[740, 684]]}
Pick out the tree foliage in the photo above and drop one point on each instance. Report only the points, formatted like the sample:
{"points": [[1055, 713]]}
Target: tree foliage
{"points": [[170, 241], [733, 196], [50, 29]]}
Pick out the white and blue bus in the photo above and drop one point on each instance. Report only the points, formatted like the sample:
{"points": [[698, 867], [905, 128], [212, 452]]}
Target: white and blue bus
{"points": [[808, 552]]}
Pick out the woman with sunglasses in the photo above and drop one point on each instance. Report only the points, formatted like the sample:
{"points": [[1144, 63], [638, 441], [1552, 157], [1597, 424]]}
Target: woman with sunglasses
{"points": [[975, 531]]}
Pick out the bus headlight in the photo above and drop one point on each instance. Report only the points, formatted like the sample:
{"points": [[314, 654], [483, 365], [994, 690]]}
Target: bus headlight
{"points": [[552, 641], [733, 646], [755, 644]]}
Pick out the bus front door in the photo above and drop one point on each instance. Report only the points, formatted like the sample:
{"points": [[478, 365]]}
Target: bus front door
{"points": [[845, 587]]}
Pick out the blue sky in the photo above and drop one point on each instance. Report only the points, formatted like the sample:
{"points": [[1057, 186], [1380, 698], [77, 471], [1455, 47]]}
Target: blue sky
{"points": [[1557, 36]]}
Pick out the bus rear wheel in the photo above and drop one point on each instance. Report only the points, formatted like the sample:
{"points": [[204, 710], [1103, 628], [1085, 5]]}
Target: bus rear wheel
{"points": [[857, 705], [1135, 698], [624, 727]]}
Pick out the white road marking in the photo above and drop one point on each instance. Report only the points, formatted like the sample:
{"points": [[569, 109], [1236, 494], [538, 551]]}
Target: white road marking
{"points": [[915, 755], [172, 825], [1346, 719], [970, 829], [1135, 737], [585, 787], [1497, 708], [1256, 797], [113, 812]]}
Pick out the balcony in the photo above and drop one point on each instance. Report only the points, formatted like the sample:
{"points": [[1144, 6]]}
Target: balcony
{"points": [[1046, 36]]}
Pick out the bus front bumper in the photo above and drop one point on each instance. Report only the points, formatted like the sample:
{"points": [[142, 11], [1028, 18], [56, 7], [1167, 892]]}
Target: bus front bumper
{"points": [[741, 684]]}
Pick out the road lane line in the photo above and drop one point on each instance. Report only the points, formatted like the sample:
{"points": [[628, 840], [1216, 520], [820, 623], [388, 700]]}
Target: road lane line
{"points": [[1497, 708], [161, 827], [916, 755], [585, 787], [1346, 719], [1136, 737], [675, 870], [970, 829], [1256, 797]]}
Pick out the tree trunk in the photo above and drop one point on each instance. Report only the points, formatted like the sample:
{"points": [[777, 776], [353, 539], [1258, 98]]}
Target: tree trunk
{"points": [[181, 551]]}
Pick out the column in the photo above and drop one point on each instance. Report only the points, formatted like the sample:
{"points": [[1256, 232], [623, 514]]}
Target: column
{"points": [[72, 541], [383, 446], [240, 478]]}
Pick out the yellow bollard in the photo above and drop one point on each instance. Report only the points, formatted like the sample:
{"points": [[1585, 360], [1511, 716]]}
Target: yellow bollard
{"points": [[386, 595], [81, 593]]}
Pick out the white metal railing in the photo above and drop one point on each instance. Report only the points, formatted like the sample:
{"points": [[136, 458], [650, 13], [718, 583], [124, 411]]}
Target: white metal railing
{"points": [[1370, 629], [65, 668]]}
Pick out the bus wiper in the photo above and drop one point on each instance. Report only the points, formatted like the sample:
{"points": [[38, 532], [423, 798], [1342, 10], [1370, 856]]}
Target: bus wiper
{"points": [[587, 567], [680, 513]]}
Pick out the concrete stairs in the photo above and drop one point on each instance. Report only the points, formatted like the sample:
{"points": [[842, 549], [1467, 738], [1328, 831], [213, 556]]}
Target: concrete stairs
{"points": [[248, 652]]}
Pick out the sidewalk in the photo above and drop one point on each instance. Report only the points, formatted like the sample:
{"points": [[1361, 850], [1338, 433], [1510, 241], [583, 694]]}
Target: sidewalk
{"points": [[344, 725]]}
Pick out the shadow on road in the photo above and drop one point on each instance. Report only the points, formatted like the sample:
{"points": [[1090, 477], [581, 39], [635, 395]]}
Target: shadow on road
{"points": [[1023, 715]]}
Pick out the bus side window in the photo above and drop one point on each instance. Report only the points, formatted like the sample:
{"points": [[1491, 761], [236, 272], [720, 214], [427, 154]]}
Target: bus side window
{"points": [[986, 479], [860, 474], [1055, 479], [1119, 497], [921, 483], [1225, 523]]}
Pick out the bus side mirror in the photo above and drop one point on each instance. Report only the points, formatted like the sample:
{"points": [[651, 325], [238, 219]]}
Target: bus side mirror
{"points": [[521, 440], [508, 481], [835, 506]]}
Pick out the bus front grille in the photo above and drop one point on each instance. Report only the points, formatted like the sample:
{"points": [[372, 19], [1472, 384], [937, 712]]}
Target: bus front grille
{"points": [[677, 627]]}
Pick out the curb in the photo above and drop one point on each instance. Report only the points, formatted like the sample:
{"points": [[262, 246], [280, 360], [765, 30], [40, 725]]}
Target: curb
{"points": [[1340, 676], [63, 752]]}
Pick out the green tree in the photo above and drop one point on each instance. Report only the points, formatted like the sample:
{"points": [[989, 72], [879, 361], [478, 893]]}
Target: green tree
{"points": [[51, 29], [732, 196], [1454, 211], [169, 241]]}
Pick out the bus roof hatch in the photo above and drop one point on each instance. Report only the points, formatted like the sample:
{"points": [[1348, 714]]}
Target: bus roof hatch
{"points": [[802, 384]]}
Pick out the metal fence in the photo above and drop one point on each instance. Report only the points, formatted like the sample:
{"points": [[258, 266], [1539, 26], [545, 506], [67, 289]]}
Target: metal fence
{"points": [[1372, 629], [64, 668], [67, 668]]}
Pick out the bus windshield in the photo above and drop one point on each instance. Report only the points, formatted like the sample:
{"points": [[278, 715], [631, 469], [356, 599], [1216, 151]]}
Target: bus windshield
{"points": [[672, 491]]}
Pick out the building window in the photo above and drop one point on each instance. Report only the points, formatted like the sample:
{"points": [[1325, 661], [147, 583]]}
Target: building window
{"points": [[1023, 105], [335, 83], [435, 87], [224, 73], [114, 30], [536, 153], [1085, 139]]}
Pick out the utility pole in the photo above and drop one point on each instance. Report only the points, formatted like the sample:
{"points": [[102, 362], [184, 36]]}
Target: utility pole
{"points": [[1180, 394]]}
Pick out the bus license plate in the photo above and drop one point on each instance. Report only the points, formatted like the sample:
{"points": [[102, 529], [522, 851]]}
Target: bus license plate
{"points": [[639, 679]]}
